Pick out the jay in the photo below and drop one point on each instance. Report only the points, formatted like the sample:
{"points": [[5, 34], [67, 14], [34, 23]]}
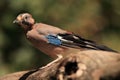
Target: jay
{"points": [[54, 41]]}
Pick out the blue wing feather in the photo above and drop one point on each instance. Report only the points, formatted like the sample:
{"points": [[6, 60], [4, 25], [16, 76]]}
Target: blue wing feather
{"points": [[53, 40], [74, 41]]}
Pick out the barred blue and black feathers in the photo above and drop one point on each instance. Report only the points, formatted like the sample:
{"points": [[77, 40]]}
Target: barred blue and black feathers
{"points": [[75, 41]]}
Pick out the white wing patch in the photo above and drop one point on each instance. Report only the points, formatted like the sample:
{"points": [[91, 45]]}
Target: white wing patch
{"points": [[75, 37], [59, 37]]}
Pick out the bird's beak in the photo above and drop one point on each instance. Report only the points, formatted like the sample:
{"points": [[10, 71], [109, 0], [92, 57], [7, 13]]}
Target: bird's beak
{"points": [[15, 21]]}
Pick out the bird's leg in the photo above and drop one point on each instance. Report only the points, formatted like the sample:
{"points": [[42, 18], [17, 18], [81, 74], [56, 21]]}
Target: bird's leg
{"points": [[59, 57]]}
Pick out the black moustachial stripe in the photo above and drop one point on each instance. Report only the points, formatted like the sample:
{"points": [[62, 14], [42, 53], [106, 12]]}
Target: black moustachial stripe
{"points": [[26, 23]]}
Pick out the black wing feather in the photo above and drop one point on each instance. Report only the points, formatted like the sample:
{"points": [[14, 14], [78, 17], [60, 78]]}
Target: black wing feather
{"points": [[77, 41]]}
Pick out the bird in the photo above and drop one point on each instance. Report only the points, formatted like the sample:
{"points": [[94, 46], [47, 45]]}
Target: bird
{"points": [[54, 41]]}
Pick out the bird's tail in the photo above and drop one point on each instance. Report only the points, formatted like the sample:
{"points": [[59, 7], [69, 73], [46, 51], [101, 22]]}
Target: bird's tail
{"points": [[92, 45]]}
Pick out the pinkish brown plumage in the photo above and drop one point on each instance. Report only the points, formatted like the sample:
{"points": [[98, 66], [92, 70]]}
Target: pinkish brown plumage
{"points": [[52, 40]]}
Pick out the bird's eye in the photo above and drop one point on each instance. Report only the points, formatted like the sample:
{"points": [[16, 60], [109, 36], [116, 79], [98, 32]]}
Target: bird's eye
{"points": [[26, 17]]}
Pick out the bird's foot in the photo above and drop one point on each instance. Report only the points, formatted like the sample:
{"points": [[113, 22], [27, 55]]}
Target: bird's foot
{"points": [[49, 64]]}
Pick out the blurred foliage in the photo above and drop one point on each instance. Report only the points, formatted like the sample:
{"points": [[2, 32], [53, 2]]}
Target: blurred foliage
{"points": [[98, 20]]}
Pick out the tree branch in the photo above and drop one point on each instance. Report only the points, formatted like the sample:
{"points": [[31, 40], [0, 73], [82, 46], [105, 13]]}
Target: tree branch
{"points": [[84, 65]]}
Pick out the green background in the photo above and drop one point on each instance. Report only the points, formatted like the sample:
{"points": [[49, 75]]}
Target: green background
{"points": [[97, 20]]}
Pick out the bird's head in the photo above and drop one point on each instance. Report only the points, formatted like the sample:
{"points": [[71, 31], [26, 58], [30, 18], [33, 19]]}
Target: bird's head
{"points": [[25, 20]]}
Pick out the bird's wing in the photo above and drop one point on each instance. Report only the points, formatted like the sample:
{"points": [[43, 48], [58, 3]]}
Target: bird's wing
{"points": [[75, 41]]}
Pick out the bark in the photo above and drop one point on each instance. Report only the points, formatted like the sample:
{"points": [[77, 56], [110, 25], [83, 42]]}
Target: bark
{"points": [[84, 65]]}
